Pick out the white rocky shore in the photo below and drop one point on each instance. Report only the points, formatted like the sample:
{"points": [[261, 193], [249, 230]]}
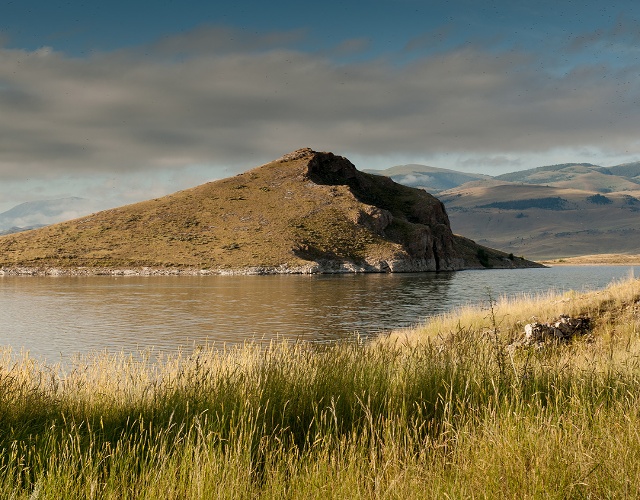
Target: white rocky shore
{"points": [[326, 267]]}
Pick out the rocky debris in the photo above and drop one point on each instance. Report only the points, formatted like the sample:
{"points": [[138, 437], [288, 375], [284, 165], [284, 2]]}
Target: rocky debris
{"points": [[561, 330], [296, 155]]}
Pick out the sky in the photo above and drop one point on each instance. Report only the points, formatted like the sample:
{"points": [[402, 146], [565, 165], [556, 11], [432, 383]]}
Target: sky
{"points": [[124, 101]]}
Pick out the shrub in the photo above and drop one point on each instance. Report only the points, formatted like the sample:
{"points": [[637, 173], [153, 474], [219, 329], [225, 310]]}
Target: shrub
{"points": [[598, 199], [483, 257]]}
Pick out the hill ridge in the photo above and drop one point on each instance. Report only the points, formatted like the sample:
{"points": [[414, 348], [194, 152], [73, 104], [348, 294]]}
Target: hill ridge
{"points": [[306, 212]]}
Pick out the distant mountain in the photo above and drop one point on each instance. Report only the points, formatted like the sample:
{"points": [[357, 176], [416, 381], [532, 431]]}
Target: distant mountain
{"points": [[540, 175], [586, 176], [580, 175], [552, 211], [431, 179], [304, 212], [629, 170], [544, 221], [34, 214]]}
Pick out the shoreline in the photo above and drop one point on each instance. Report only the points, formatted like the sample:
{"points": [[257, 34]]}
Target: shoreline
{"points": [[605, 259], [329, 267], [312, 268]]}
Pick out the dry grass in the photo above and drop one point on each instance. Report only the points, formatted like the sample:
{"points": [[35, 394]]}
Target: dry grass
{"points": [[449, 414], [614, 309], [604, 259]]}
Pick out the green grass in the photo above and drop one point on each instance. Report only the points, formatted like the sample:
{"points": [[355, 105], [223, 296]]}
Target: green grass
{"points": [[444, 411]]}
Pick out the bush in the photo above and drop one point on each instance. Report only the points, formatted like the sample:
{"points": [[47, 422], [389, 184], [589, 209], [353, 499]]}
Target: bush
{"points": [[598, 199], [483, 257]]}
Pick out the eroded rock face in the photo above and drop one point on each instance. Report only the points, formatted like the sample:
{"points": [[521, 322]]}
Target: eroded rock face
{"points": [[409, 216]]}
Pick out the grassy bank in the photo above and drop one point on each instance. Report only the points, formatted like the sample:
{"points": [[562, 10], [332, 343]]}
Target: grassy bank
{"points": [[606, 259], [442, 410]]}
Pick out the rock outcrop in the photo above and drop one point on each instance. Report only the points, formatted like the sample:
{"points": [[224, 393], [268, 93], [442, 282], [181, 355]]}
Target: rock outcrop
{"points": [[410, 217], [559, 330]]}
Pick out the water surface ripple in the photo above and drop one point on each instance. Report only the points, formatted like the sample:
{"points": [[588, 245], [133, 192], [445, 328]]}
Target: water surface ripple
{"points": [[54, 317]]}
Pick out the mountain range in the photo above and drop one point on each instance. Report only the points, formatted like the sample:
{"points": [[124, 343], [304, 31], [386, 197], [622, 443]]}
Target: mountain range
{"points": [[34, 214], [552, 211]]}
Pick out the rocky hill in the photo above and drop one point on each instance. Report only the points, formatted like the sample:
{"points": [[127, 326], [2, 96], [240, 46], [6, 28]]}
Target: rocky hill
{"points": [[305, 212]]}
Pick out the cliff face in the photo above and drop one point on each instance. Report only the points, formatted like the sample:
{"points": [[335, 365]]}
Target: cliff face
{"points": [[411, 218], [305, 212]]}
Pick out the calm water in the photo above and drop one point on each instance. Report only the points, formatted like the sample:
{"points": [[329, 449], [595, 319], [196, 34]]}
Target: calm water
{"points": [[54, 317]]}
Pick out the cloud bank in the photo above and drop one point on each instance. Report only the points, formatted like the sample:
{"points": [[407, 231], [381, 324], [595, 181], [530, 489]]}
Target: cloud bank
{"points": [[211, 97]]}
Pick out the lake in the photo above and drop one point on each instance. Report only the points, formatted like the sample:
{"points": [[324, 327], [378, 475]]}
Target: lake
{"points": [[56, 317]]}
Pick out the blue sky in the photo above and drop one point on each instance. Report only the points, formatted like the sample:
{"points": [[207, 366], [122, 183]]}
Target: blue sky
{"points": [[123, 101]]}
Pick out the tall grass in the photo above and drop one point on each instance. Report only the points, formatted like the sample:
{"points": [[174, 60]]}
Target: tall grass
{"points": [[450, 413]]}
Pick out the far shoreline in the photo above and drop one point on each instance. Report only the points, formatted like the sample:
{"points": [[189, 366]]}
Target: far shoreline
{"points": [[605, 259]]}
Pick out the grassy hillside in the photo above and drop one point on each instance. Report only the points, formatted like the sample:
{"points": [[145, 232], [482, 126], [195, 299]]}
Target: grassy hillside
{"points": [[543, 222], [253, 219], [583, 176], [443, 411], [279, 215]]}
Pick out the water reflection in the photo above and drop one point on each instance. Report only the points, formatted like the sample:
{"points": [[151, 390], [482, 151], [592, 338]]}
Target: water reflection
{"points": [[53, 317]]}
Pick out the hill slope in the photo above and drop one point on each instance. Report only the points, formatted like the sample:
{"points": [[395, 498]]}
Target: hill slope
{"points": [[305, 212], [579, 175], [546, 222], [554, 211]]}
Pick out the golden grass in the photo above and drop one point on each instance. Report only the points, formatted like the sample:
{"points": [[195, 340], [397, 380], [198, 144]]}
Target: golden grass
{"points": [[614, 311], [441, 411], [604, 259]]}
